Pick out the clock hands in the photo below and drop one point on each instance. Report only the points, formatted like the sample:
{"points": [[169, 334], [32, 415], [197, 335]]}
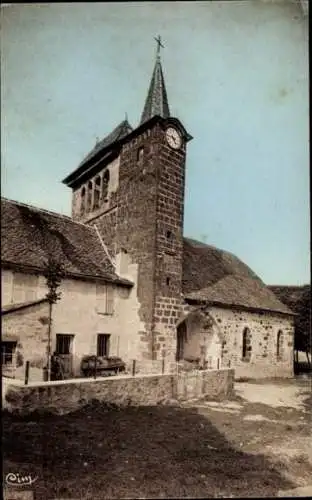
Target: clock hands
{"points": [[171, 135], [173, 138]]}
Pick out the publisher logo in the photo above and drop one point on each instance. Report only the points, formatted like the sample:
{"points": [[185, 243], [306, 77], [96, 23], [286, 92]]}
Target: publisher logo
{"points": [[16, 479]]}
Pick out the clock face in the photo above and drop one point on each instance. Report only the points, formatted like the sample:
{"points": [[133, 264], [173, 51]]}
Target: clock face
{"points": [[174, 138]]}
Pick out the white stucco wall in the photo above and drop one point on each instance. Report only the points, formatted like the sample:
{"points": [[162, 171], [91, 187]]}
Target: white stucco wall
{"points": [[76, 314]]}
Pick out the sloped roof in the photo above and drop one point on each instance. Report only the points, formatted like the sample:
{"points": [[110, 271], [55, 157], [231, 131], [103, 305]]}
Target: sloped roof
{"points": [[217, 276], [120, 132], [8, 308], [156, 101], [28, 234]]}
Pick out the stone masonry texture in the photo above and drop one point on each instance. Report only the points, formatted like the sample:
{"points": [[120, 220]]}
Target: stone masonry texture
{"points": [[144, 217], [64, 397]]}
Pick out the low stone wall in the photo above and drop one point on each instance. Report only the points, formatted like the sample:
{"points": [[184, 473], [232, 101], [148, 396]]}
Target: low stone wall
{"points": [[262, 371], [66, 396]]}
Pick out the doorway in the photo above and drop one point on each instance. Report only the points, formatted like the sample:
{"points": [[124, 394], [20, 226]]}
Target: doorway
{"points": [[64, 349]]}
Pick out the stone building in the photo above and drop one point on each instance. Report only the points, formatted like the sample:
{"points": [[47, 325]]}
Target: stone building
{"points": [[135, 286]]}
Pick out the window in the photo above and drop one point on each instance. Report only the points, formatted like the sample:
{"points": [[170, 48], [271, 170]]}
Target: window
{"points": [[279, 345], [24, 287], [105, 186], [6, 287], [104, 298], [64, 343], [169, 235], [83, 201], [246, 350], [97, 192], [103, 344], [7, 352], [140, 154]]}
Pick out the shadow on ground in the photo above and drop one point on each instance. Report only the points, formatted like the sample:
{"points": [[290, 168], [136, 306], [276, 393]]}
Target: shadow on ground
{"points": [[308, 401], [153, 452]]}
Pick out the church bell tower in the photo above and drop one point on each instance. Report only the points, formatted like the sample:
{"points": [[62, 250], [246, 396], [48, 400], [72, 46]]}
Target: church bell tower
{"points": [[131, 186], [150, 215]]}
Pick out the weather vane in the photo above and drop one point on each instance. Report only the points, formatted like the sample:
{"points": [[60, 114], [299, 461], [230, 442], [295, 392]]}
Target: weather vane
{"points": [[159, 44]]}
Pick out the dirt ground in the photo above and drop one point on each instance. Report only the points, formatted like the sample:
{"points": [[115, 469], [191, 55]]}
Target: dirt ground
{"points": [[273, 418], [256, 445]]}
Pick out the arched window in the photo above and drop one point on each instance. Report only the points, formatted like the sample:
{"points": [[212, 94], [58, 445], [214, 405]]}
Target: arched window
{"points": [[140, 154], [105, 186], [97, 192], [89, 196], [279, 345], [83, 201], [246, 348]]}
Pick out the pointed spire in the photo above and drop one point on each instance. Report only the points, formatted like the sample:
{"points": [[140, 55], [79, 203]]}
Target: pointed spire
{"points": [[156, 102]]}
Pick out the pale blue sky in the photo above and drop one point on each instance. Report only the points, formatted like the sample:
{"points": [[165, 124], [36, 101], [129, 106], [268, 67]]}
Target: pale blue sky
{"points": [[236, 76]]}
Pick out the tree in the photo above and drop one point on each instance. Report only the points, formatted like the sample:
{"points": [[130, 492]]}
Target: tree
{"points": [[298, 299], [303, 322], [54, 272]]}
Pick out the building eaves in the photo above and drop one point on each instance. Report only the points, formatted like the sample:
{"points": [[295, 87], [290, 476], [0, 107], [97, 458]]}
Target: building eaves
{"points": [[9, 308]]}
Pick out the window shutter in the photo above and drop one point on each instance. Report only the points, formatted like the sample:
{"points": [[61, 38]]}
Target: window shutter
{"points": [[7, 287], [24, 287], [104, 299], [100, 298], [109, 299], [31, 287], [18, 288]]}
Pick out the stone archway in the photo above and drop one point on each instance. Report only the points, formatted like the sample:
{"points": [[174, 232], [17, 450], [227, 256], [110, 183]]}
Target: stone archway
{"points": [[199, 339]]}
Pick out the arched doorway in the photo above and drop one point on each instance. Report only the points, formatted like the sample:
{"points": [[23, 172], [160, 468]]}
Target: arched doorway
{"points": [[199, 339]]}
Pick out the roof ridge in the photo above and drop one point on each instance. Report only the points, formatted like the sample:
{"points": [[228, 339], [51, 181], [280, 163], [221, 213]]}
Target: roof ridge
{"points": [[104, 145], [44, 210], [208, 245]]}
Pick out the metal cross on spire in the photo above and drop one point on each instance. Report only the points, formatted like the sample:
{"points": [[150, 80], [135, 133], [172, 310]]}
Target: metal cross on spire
{"points": [[159, 44]]}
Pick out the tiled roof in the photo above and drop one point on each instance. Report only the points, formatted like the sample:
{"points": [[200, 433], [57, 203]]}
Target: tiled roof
{"points": [[156, 101], [216, 276], [28, 234], [122, 130]]}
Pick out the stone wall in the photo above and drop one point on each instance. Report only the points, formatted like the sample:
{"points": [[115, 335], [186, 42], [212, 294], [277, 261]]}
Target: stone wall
{"points": [[29, 327], [63, 397], [263, 360], [145, 220], [169, 249]]}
